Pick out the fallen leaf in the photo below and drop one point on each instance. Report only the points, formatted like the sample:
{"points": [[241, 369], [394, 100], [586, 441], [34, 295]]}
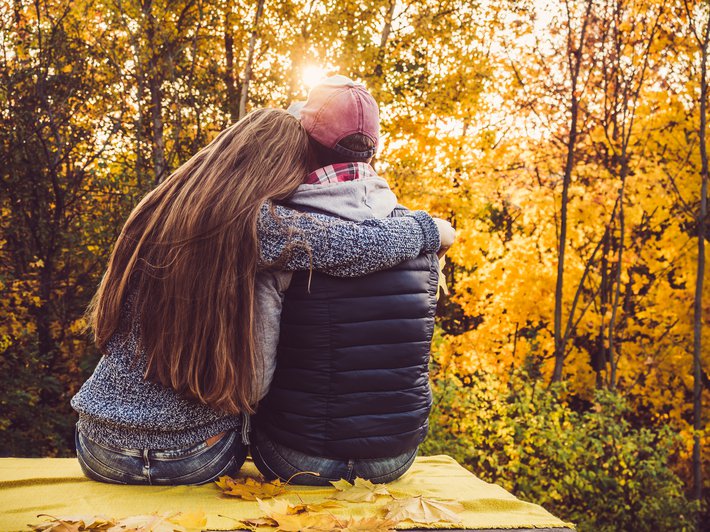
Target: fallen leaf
{"points": [[249, 488], [362, 491], [224, 482], [318, 507], [288, 518], [195, 520], [262, 521], [341, 484], [58, 525], [372, 524], [275, 507], [73, 523], [423, 510], [307, 522], [292, 518], [283, 507], [147, 523], [175, 522]]}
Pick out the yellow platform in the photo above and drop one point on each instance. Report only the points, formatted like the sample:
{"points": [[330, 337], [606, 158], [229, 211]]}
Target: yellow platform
{"points": [[56, 486]]}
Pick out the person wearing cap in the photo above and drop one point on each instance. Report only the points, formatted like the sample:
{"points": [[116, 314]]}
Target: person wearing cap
{"points": [[349, 395]]}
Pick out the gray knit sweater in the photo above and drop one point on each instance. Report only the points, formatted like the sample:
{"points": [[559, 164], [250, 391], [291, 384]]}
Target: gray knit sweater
{"points": [[119, 408]]}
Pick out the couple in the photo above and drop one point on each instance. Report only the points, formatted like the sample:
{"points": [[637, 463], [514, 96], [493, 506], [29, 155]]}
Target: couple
{"points": [[276, 242]]}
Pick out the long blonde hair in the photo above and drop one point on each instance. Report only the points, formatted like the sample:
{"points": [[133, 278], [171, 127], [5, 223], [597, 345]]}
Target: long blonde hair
{"points": [[188, 253]]}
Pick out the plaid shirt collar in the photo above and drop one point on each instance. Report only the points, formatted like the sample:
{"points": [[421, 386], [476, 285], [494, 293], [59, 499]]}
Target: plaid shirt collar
{"points": [[337, 173]]}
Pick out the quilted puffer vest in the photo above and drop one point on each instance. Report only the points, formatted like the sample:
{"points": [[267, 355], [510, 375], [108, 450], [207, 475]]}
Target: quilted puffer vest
{"points": [[352, 374]]}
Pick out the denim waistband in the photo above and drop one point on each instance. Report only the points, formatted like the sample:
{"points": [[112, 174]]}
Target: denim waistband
{"points": [[196, 464], [122, 437], [161, 454]]}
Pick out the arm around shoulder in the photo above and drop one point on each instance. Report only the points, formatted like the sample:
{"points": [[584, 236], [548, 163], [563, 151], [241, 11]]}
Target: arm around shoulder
{"points": [[292, 240]]}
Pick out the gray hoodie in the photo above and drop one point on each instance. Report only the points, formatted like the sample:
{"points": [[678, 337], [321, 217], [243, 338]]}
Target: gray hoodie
{"points": [[366, 197]]}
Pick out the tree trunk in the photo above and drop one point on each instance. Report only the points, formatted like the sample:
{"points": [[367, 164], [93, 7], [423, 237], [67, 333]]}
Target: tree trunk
{"points": [[622, 86], [567, 178], [600, 359], [45, 342], [250, 59], [698, 303], [155, 79], [613, 359], [229, 77], [140, 119], [384, 37], [575, 62]]}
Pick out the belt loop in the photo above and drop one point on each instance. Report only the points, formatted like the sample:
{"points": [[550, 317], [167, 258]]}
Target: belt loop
{"points": [[246, 427], [146, 465], [351, 468]]}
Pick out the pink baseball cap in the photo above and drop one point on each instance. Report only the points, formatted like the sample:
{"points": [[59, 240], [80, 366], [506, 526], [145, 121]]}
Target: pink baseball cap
{"points": [[338, 107]]}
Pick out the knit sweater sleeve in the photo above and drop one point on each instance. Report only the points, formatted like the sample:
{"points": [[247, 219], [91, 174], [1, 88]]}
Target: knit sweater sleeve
{"points": [[291, 240]]}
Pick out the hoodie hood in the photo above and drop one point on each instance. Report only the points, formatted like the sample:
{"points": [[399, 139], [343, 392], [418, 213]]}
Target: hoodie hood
{"points": [[364, 197]]}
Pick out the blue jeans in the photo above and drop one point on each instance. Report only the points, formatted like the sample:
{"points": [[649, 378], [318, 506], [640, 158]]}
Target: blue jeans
{"points": [[276, 461], [198, 464]]}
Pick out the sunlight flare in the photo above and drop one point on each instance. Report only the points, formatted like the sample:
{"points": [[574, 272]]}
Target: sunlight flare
{"points": [[312, 75]]}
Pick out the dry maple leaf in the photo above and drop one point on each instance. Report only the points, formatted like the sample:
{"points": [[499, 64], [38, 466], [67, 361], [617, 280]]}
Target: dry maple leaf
{"points": [[318, 507], [287, 518], [283, 507], [423, 510], [59, 526], [224, 482], [362, 491], [306, 522], [276, 507], [249, 488], [73, 523], [262, 521], [292, 518], [372, 524], [177, 522], [195, 520], [148, 523]]}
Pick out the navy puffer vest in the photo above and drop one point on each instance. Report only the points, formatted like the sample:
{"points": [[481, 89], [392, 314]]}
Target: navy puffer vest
{"points": [[352, 376]]}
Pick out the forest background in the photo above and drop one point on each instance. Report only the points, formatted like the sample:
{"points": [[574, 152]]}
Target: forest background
{"points": [[564, 139]]}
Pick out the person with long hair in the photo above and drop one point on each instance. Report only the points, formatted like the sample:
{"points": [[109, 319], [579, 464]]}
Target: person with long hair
{"points": [[174, 314]]}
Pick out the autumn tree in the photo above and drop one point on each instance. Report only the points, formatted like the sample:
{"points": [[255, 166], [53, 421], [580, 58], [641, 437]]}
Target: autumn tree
{"points": [[697, 18], [54, 134]]}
